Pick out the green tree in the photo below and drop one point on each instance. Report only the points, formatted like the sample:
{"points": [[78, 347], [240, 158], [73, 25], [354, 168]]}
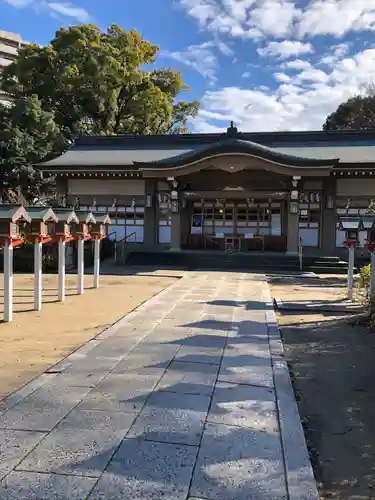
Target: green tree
{"points": [[357, 112], [27, 135], [98, 82]]}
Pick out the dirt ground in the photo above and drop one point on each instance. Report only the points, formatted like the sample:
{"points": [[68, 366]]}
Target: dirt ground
{"points": [[36, 340], [332, 358]]}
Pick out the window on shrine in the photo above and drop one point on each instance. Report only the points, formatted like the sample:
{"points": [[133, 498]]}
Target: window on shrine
{"points": [[210, 218]]}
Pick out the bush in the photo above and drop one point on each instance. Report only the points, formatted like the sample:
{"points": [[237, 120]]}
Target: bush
{"points": [[364, 277]]}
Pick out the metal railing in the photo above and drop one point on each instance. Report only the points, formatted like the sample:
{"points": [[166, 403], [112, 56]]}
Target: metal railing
{"points": [[119, 251], [115, 244], [300, 254]]}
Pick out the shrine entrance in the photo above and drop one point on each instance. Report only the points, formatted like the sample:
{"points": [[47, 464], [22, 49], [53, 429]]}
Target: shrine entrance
{"points": [[237, 225]]}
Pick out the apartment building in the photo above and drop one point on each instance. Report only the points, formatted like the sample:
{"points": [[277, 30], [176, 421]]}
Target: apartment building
{"points": [[10, 44]]}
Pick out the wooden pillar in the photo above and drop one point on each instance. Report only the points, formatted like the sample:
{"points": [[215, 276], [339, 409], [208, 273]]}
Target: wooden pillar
{"points": [[8, 282], [61, 251], [38, 252], [328, 230], [176, 231], [96, 262], [150, 218], [80, 266], [292, 234]]}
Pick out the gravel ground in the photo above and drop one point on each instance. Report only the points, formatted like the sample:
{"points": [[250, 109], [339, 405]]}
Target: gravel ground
{"points": [[331, 359]]}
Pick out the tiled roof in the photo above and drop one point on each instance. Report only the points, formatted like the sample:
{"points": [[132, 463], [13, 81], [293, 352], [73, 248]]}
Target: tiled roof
{"points": [[240, 146], [125, 152]]}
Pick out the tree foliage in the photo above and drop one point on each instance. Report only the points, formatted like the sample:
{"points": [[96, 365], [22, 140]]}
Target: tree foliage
{"points": [[86, 82], [98, 83], [27, 134], [357, 112]]}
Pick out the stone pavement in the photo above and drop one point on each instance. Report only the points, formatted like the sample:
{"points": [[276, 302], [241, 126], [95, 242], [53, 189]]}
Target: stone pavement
{"points": [[187, 397]]}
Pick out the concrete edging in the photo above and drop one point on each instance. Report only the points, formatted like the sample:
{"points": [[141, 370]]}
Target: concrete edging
{"points": [[301, 484], [348, 307]]}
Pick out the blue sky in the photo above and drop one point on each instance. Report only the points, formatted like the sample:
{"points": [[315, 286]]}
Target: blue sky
{"points": [[266, 64]]}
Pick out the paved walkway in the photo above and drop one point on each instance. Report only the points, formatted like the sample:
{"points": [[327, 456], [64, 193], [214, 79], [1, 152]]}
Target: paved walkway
{"points": [[188, 397]]}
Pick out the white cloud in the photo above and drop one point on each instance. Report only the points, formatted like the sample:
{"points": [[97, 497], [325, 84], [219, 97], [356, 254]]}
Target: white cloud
{"points": [[246, 74], [243, 18], [336, 52], [282, 18], [285, 49], [296, 64], [312, 75], [65, 9], [199, 57], [19, 3], [272, 17], [300, 102], [337, 17], [282, 77], [70, 10], [224, 48]]}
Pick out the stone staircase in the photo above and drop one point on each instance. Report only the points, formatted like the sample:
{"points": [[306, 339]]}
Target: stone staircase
{"points": [[268, 263], [325, 265]]}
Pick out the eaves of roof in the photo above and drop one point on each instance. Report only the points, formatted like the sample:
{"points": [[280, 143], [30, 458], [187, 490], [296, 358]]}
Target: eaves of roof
{"points": [[233, 146]]}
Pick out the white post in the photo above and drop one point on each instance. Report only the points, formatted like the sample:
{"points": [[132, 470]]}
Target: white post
{"points": [[37, 276], [96, 262], [61, 294], [350, 272], [8, 282], [372, 279], [80, 267]]}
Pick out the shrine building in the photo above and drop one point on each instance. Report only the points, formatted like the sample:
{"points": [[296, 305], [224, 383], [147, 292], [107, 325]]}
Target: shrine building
{"points": [[263, 191]]}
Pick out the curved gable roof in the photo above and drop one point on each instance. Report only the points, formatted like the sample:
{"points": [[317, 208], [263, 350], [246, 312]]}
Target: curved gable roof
{"points": [[239, 146]]}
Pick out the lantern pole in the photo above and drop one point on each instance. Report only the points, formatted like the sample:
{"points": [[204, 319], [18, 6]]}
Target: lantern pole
{"points": [[8, 281], [350, 272], [96, 262], [38, 275], [61, 251], [80, 266]]}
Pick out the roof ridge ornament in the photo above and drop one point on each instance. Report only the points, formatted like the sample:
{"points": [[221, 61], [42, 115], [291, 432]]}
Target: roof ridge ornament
{"points": [[232, 131]]}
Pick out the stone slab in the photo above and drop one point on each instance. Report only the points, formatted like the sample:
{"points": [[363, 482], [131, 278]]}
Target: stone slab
{"points": [[299, 473], [143, 470], [148, 355], [87, 373], [121, 392], [172, 418], [247, 369], [114, 348], [244, 406], [25, 391], [82, 444], [14, 446], [246, 328], [43, 409], [238, 463], [208, 355], [32, 486], [255, 347], [189, 378], [198, 338]]}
